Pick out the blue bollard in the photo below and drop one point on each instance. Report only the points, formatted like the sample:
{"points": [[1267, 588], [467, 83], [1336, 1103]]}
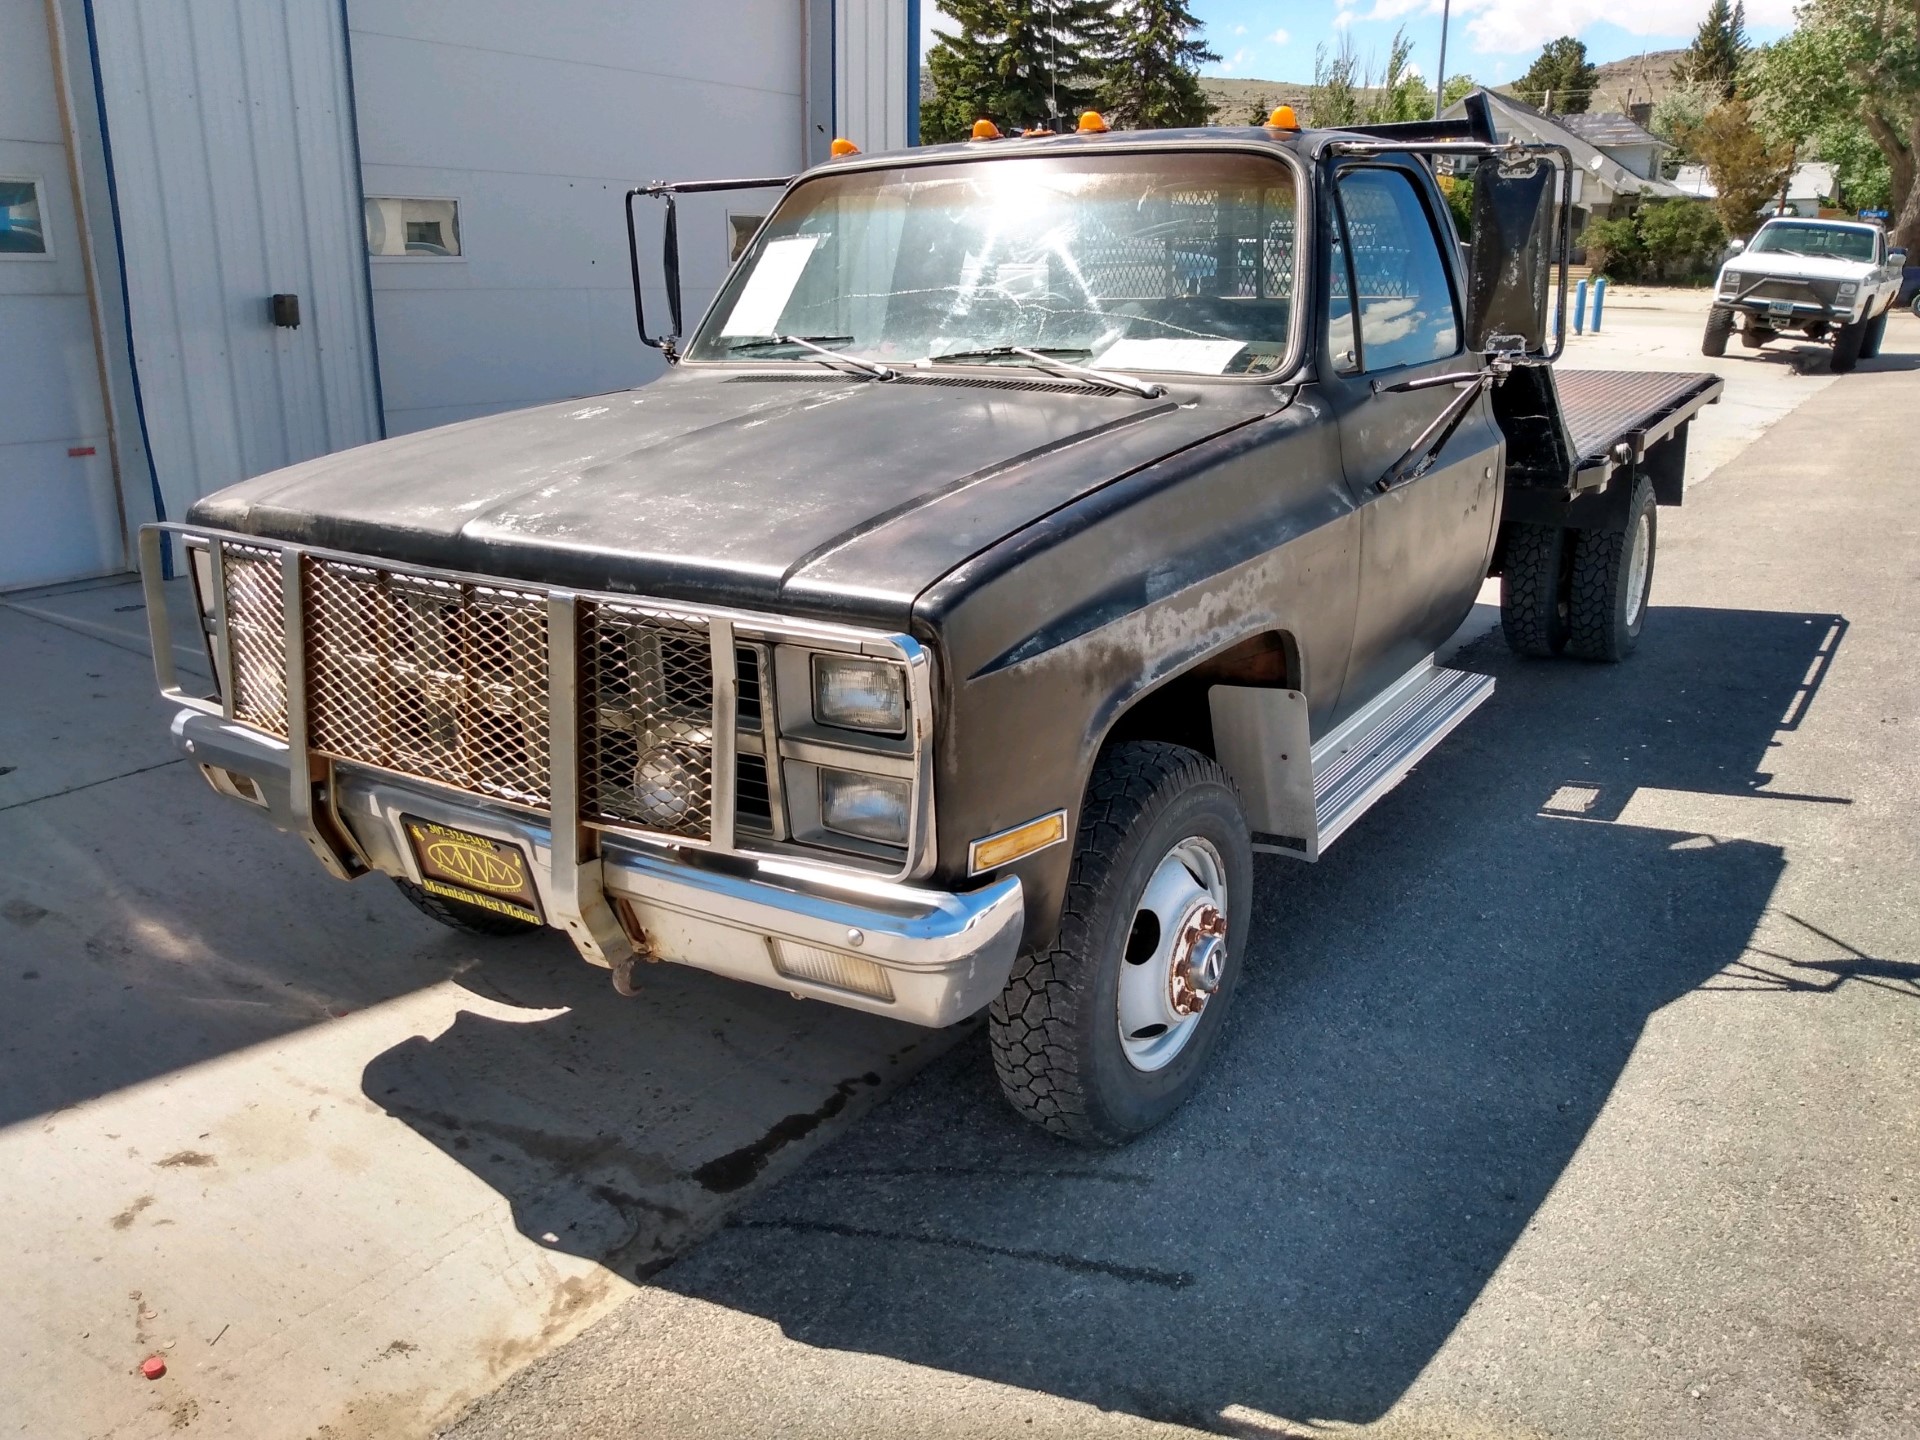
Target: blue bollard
{"points": [[1580, 308], [1599, 300]]}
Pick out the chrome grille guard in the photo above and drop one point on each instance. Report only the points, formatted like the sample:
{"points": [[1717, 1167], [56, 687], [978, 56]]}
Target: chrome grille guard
{"points": [[518, 694]]}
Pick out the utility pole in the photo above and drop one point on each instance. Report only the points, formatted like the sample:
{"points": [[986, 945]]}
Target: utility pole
{"points": [[1440, 80]]}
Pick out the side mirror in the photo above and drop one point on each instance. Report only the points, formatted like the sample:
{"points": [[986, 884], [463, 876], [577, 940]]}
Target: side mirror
{"points": [[1897, 257], [1736, 245], [1511, 252]]}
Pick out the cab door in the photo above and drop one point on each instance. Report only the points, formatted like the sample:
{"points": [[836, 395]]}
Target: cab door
{"points": [[1393, 317]]}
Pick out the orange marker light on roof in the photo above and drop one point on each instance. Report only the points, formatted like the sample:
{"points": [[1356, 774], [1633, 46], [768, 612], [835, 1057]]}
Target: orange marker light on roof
{"points": [[985, 130], [1282, 118], [843, 146], [1092, 122]]}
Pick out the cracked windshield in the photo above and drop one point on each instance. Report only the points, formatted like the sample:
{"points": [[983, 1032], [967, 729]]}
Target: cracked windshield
{"points": [[1174, 263]]}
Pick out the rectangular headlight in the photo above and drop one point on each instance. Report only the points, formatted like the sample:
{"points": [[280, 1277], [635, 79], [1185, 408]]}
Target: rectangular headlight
{"points": [[857, 694], [1729, 283], [872, 807], [1847, 288]]}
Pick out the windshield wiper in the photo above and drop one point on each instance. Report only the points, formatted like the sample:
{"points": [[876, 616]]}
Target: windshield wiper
{"points": [[826, 356], [991, 352], [1048, 360]]}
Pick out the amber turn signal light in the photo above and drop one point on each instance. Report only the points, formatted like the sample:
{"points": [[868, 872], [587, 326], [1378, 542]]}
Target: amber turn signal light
{"points": [[1282, 118], [993, 851], [1092, 122], [843, 146], [985, 130]]}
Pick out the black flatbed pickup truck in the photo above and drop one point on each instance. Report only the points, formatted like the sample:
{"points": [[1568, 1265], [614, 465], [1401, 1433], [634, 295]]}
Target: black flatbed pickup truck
{"points": [[1031, 531]]}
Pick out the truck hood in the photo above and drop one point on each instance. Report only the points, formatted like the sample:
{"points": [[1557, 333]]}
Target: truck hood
{"points": [[1799, 267], [803, 492]]}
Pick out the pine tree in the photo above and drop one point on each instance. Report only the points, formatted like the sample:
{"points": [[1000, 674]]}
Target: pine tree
{"points": [[1561, 80], [1152, 71], [1015, 62], [1712, 62]]}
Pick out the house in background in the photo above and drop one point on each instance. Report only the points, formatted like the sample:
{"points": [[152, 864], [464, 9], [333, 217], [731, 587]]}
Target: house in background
{"points": [[235, 234], [1622, 139], [1603, 187], [1808, 188]]}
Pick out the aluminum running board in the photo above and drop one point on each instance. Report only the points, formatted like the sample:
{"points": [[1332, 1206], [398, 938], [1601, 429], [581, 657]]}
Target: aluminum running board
{"points": [[1374, 750]]}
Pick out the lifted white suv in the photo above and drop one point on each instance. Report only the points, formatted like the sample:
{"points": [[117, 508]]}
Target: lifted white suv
{"points": [[1827, 279]]}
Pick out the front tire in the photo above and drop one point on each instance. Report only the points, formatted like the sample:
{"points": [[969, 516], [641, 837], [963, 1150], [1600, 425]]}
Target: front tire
{"points": [[1847, 342], [1107, 1032], [1612, 576], [1876, 333], [1719, 327]]}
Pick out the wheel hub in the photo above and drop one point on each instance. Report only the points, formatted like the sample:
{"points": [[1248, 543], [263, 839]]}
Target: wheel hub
{"points": [[1199, 959], [1176, 957]]}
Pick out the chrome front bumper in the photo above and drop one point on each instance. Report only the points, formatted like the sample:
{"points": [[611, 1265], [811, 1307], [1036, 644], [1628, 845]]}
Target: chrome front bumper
{"points": [[938, 957]]}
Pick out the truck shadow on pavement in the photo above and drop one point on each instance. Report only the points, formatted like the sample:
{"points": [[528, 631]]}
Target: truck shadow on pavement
{"points": [[1431, 1020]]}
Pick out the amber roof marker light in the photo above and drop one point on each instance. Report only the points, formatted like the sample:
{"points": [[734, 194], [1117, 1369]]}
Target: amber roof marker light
{"points": [[1282, 118], [1092, 122], [842, 147], [985, 130]]}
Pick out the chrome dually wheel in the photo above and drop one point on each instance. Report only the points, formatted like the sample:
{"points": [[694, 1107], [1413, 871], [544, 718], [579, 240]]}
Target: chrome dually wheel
{"points": [[1176, 954], [1106, 1030]]}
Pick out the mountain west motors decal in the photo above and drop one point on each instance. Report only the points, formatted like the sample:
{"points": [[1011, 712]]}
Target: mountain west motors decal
{"points": [[474, 870]]}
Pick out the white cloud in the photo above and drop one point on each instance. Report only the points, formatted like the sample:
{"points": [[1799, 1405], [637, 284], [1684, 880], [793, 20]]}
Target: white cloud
{"points": [[1278, 37], [1513, 27], [1239, 29]]}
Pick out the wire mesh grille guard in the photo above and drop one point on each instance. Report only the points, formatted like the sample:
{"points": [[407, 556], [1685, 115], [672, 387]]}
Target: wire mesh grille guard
{"points": [[256, 631], [434, 678], [646, 734]]}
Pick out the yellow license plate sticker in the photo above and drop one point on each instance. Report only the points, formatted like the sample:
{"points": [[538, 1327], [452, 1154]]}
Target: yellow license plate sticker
{"points": [[473, 869]]}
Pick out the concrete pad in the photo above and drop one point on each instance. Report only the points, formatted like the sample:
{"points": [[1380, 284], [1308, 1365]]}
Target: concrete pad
{"points": [[342, 1168]]}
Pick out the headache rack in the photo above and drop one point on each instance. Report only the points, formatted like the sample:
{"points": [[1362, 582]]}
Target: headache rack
{"points": [[651, 720]]}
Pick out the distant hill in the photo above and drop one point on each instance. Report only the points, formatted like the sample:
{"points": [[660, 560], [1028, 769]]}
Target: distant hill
{"points": [[1619, 84]]}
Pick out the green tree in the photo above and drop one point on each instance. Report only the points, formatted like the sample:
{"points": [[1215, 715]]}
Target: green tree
{"points": [[1614, 248], [1152, 70], [1334, 100], [1712, 62], [1746, 168], [1456, 88], [1015, 62], [1401, 93], [1681, 239], [1679, 112], [1346, 92], [1850, 68], [1560, 80]]}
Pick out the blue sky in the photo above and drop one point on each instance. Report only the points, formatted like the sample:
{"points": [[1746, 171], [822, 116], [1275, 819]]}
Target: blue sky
{"points": [[1493, 40]]}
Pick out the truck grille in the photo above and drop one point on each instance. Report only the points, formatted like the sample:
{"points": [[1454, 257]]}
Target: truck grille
{"points": [[1805, 292], [448, 679], [434, 678], [256, 630], [646, 737]]}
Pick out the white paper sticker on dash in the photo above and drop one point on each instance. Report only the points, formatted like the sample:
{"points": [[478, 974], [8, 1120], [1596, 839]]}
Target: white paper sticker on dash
{"points": [[758, 310], [1195, 357]]}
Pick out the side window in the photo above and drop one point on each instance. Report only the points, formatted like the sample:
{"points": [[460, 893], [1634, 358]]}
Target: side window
{"points": [[1405, 302], [1342, 344]]}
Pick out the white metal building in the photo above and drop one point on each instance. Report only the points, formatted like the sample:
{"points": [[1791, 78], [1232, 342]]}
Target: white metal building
{"points": [[436, 184]]}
